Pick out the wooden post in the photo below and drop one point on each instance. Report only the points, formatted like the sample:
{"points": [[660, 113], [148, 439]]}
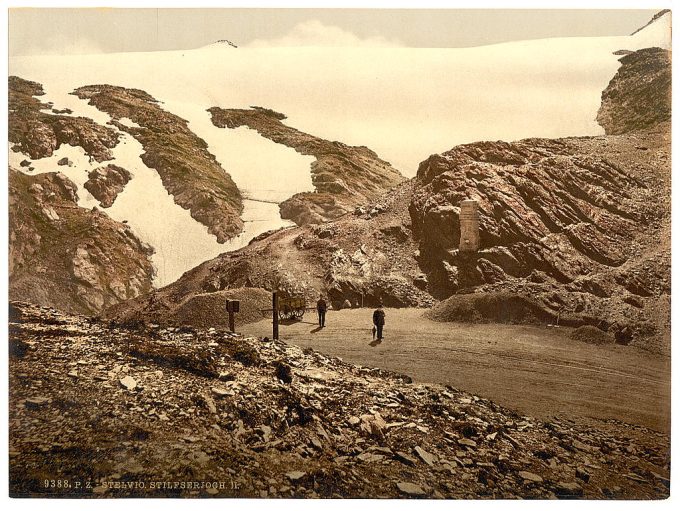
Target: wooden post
{"points": [[275, 314], [232, 306]]}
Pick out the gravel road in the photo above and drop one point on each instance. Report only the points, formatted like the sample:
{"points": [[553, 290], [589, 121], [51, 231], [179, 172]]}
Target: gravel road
{"points": [[534, 369]]}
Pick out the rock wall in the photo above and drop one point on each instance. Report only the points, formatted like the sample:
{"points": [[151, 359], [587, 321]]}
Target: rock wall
{"points": [[575, 224]]}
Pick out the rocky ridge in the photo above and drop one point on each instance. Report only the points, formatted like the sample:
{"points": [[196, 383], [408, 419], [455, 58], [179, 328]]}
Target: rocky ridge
{"points": [[629, 103], [188, 171], [38, 134], [114, 407], [357, 260], [343, 176], [171, 307], [579, 226], [63, 255]]}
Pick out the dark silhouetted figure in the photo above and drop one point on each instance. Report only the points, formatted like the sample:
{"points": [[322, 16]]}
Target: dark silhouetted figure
{"points": [[321, 308], [379, 321]]}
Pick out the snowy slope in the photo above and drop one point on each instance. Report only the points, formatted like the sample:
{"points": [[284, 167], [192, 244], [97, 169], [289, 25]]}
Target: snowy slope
{"points": [[404, 103]]}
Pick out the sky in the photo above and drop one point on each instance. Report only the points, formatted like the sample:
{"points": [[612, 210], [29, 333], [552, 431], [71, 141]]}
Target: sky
{"points": [[36, 31]]}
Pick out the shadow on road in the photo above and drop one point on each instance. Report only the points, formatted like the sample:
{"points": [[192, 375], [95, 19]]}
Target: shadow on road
{"points": [[375, 343], [315, 330]]}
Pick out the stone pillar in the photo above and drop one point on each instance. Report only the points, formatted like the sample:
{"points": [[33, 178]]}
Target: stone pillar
{"points": [[469, 226]]}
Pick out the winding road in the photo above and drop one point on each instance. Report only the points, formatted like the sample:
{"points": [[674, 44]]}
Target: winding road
{"points": [[536, 370]]}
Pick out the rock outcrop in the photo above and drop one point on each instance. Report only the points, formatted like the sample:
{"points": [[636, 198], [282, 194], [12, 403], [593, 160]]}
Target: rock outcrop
{"points": [[65, 256], [189, 172], [573, 223], [639, 95], [105, 183], [39, 134], [343, 176], [114, 405]]}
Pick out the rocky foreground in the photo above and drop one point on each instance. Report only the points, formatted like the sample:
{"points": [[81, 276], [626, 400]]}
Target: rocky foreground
{"points": [[104, 410]]}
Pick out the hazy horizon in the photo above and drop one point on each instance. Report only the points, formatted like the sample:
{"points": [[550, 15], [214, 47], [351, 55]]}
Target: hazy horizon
{"points": [[98, 30]]}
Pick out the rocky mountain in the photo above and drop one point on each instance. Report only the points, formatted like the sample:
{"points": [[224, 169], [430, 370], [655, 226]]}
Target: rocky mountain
{"points": [[579, 226], [66, 256], [188, 171], [343, 176], [141, 139], [147, 404]]}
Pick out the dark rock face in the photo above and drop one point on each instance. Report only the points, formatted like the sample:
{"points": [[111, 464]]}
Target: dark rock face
{"points": [[639, 95], [39, 134], [105, 183], [343, 176], [65, 256], [188, 171]]}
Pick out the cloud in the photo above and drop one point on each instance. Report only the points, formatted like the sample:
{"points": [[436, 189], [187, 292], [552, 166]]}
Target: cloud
{"points": [[315, 33], [58, 44]]}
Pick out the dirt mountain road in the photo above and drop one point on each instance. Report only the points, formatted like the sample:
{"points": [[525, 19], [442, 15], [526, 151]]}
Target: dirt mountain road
{"points": [[537, 370]]}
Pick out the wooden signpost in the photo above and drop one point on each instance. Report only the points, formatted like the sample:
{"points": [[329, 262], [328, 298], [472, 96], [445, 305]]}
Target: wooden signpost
{"points": [[232, 306], [275, 315]]}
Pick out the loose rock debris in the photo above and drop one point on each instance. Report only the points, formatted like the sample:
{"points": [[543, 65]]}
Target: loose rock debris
{"points": [[134, 425]]}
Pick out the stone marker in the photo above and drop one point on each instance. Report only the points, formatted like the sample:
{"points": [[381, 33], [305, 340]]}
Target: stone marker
{"points": [[469, 226]]}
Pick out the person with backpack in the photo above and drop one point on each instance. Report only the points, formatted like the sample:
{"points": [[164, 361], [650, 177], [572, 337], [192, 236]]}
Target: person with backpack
{"points": [[379, 321]]}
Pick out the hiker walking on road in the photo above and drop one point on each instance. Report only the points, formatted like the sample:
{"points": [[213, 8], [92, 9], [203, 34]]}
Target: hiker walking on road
{"points": [[321, 308], [379, 320]]}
